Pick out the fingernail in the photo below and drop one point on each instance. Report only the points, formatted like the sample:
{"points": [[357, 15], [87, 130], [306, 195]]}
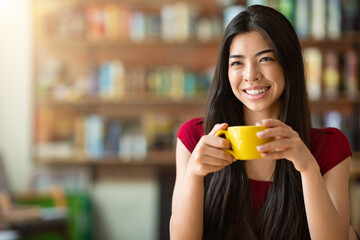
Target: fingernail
{"points": [[257, 124], [260, 148], [260, 134]]}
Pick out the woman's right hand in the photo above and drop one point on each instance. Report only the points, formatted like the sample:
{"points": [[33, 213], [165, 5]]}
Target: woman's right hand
{"points": [[209, 154]]}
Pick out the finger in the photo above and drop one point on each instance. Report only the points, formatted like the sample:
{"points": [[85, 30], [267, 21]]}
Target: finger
{"points": [[216, 142], [216, 161], [210, 168], [270, 122], [204, 167], [217, 127], [277, 145], [278, 132], [214, 147], [219, 154], [274, 154]]}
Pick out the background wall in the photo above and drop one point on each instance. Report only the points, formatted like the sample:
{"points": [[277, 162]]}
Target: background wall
{"points": [[125, 209], [15, 90]]}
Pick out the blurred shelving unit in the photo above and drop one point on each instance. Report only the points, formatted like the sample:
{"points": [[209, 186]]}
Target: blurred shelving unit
{"points": [[120, 65], [114, 75], [113, 81]]}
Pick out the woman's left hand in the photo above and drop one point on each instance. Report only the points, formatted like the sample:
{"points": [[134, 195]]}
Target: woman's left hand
{"points": [[286, 144]]}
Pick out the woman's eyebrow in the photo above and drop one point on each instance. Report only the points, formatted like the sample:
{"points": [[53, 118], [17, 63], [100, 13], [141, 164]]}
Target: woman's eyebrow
{"points": [[256, 55], [236, 56], [263, 52]]}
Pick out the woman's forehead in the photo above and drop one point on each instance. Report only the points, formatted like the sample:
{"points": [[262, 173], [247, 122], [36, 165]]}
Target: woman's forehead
{"points": [[249, 42]]}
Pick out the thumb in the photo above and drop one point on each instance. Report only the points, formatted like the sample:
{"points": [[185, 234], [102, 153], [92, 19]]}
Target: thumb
{"points": [[217, 127]]}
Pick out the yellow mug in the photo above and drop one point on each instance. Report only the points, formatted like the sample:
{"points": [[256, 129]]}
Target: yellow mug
{"points": [[243, 140]]}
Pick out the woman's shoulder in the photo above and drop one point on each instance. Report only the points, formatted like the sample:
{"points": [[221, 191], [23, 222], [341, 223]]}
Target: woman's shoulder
{"points": [[190, 132], [330, 146], [199, 121], [328, 132], [330, 137]]}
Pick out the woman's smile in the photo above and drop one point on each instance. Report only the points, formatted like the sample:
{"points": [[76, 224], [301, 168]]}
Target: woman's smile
{"points": [[256, 91]]}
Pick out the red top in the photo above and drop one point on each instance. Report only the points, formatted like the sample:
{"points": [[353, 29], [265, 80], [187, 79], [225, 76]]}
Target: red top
{"points": [[329, 147]]}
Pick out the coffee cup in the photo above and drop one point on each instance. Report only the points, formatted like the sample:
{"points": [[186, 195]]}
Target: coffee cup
{"points": [[243, 140]]}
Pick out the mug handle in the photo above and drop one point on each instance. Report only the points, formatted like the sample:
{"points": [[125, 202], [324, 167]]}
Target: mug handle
{"points": [[224, 132]]}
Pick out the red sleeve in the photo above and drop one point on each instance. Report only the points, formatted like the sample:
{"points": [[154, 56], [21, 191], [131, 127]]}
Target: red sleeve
{"points": [[329, 146], [190, 132]]}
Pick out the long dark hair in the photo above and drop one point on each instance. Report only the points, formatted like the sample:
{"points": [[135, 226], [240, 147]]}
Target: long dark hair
{"points": [[228, 201]]}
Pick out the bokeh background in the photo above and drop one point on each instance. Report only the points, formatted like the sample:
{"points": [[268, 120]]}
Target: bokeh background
{"points": [[92, 93]]}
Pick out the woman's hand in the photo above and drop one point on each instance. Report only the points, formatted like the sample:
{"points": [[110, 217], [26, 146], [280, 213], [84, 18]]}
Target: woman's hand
{"points": [[286, 144], [209, 155]]}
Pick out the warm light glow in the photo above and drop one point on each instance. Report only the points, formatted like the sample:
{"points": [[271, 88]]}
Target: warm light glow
{"points": [[5, 5]]}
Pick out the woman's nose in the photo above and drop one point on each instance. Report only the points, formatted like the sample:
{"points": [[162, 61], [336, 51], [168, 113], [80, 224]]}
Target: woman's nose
{"points": [[252, 73]]}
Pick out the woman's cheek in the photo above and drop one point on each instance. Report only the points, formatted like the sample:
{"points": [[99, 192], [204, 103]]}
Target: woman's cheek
{"points": [[234, 76]]}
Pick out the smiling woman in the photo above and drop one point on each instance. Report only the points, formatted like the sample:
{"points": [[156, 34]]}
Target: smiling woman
{"points": [[256, 77], [299, 188]]}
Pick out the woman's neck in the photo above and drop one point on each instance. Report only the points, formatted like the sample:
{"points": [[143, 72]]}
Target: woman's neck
{"points": [[260, 169], [251, 117]]}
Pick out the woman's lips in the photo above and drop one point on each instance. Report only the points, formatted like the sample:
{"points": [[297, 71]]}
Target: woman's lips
{"points": [[256, 93]]}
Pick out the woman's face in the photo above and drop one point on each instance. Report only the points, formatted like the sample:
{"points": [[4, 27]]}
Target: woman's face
{"points": [[256, 77]]}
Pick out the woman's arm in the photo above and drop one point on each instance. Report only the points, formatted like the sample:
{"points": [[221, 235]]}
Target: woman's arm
{"points": [[327, 201], [188, 197], [187, 204], [326, 197]]}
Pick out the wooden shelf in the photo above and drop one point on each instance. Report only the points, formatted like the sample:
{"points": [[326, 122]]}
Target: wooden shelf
{"points": [[346, 40], [53, 42], [147, 99], [164, 158], [207, 7], [343, 42], [126, 101], [130, 107], [154, 159], [342, 99]]}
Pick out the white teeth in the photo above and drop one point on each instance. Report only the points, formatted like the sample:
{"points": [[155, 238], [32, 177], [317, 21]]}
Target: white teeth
{"points": [[254, 92]]}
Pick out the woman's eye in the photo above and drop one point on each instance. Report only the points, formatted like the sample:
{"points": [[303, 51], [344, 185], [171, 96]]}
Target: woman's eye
{"points": [[235, 63], [266, 59]]}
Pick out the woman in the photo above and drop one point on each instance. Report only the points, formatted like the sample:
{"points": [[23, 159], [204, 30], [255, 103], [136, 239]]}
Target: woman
{"points": [[299, 190]]}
